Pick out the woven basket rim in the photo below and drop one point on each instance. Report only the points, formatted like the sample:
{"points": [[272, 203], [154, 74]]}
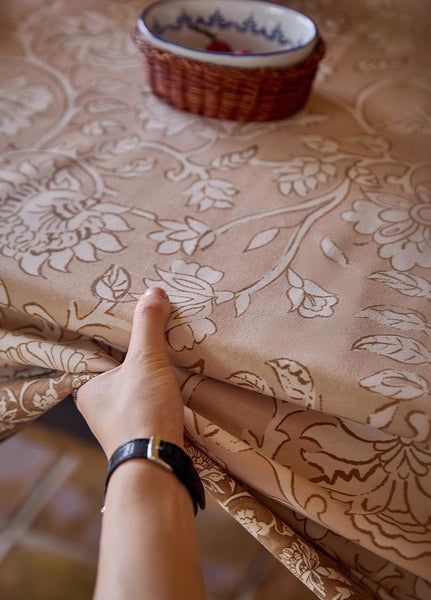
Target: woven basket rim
{"points": [[294, 70], [228, 92]]}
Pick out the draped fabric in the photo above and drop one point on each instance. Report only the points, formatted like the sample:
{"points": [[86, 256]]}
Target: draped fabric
{"points": [[296, 253]]}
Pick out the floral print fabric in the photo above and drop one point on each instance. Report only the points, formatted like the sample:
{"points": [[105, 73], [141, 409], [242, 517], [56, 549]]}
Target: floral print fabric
{"points": [[296, 253]]}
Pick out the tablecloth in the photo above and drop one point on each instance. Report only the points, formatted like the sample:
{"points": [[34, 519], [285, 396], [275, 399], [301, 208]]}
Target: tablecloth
{"points": [[296, 253]]}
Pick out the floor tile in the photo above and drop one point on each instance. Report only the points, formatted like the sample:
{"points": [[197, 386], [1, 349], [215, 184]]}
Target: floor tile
{"points": [[54, 557], [24, 459], [35, 574], [73, 511]]}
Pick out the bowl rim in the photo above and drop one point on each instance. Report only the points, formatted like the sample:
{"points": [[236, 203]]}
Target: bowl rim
{"points": [[235, 57]]}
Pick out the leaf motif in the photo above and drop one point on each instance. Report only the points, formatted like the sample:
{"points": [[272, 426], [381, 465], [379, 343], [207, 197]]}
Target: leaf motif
{"points": [[402, 385], [234, 160], [111, 207], [63, 178], [362, 175], [224, 439], [4, 297], [403, 321], [419, 422], [381, 418], [102, 126], [320, 143], [333, 252], [113, 285], [48, 355], [284, 187], [105, 105], [251, 381], [206, 240], [45, 323], [295, 380], [405, 283], [294, 279], [343, 593], [111, 149], [221, 204], [136, 167], [207, 193], [389, 200], [373, 142], [399, 348], [186, 313], [263, 238], [242, 302]]}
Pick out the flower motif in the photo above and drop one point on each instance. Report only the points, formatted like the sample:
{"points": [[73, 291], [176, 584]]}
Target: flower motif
{"points": [[49, 399], [403, 472], [97, 40], [42, 353], [303, 174], [403, 457], [388, 486], [19, 103], [177, 235], [7, 414], [309, 299], [46, 219], [190, 288], [400, 227], [79, 379], [210, 474], [247, 518], [303, 561], [208, 193], [113, 285]]}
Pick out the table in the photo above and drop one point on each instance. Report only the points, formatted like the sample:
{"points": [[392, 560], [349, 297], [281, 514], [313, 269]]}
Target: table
{"points": [[296, 253]]}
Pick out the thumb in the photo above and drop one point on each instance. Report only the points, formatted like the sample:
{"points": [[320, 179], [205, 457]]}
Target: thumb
{"points": [[149, 322]]}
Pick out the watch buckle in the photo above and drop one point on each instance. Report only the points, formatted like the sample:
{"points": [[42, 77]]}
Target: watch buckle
{"points": [[153, 453]]}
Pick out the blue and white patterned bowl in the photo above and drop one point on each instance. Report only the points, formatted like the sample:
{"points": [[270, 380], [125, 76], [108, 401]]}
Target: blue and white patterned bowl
{"points": [[273, 35]]}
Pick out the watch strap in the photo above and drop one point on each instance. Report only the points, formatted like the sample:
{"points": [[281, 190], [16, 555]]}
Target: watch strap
{"points": [[166, 455]]}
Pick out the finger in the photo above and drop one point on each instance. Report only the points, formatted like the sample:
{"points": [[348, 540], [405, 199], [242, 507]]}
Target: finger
{"points": [[149, 322]]}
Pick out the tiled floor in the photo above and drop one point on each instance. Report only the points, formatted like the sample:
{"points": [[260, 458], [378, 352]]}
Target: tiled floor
{"points": [[50, 491]]}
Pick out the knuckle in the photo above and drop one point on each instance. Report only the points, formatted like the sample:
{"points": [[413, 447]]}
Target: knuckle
{"points": [[149, 307]]}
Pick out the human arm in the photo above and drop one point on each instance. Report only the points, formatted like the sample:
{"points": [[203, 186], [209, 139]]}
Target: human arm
{"points": [[149, 545]]}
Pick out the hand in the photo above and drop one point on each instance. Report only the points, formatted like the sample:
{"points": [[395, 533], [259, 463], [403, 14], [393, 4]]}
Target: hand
{"points": [[141, 397]]}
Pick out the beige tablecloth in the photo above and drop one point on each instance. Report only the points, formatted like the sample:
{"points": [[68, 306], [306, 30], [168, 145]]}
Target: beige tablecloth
{"points": [[297, 255]]}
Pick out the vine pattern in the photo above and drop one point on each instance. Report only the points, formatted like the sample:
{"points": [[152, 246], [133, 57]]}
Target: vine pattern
{"points": [[75, 196]]}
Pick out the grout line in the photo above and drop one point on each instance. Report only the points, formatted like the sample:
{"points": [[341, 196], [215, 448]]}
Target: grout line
{"points": [[35, 501], [45, 541]]}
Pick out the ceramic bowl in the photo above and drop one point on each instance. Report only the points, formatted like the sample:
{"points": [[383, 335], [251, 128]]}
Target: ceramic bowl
{"points": [[260, 34]]}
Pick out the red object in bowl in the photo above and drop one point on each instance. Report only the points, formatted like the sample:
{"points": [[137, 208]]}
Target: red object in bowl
{"points": [[218, 46]]}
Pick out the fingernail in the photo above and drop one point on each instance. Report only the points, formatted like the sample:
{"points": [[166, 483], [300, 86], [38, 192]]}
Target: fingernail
{"points": [[156, 291]]}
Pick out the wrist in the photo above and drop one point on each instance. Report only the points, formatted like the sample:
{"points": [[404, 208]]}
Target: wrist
{"points": [[141, 484]]}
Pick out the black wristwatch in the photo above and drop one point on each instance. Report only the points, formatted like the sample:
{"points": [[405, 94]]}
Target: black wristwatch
{"points": [[166, 455]]}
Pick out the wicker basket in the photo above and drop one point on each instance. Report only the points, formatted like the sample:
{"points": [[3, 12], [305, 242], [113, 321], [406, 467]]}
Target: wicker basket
{"points": [[233, 93]]}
